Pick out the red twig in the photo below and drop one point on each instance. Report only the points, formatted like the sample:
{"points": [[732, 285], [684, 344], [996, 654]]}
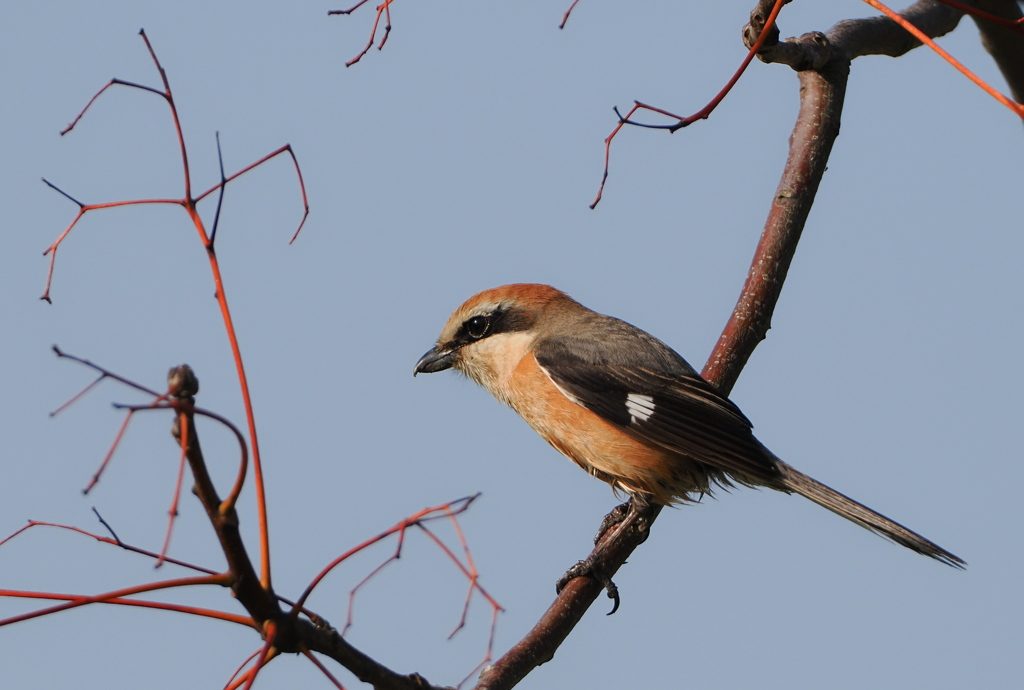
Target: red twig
{"points": [[106, 540], [115, 541], [188, 202], [110, 453], [287, 148], [701, 114], [426, 514], [323, 669], [173, 511], [162, 401], [112, 82], [74, 601], [472, 580], [76, 396], [241, 667], [473, 576], [232, 498], [468, 569], [469, 572], [382, 9], [78, 600], [352, 592], [266, 653], [490, 647], [82, 210], [565, 17]]}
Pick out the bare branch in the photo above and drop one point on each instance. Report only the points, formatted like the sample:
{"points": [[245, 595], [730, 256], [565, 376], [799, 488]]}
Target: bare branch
{"points": [[852, 38], [817, 126], [821, 101]]}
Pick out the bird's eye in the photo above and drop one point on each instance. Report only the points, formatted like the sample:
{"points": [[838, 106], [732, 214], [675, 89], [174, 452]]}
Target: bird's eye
{"points": [[478, 326]]}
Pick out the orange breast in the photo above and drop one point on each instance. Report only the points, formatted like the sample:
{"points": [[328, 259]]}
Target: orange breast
{"points": [[603, 449]]}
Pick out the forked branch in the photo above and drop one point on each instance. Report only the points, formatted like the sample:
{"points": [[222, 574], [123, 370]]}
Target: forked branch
{"points": [[293, 630], [821, 99], [189, 203]]}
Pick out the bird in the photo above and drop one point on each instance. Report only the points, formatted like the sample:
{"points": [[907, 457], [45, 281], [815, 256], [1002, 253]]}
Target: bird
{"points": [[625, 406]]}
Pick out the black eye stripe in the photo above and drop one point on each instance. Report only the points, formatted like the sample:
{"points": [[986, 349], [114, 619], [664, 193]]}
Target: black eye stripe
{"points": [[480, 326]]}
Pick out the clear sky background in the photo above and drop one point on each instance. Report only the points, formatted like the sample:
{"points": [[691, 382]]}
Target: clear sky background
{"points": [[464, 156]]}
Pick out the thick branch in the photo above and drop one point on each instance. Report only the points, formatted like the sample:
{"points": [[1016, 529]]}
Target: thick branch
{"points": [[292, 635], [823, 61], [327, 641], [852, 38], [882, 36], [821, 101], [817, 126], [547, 635]]}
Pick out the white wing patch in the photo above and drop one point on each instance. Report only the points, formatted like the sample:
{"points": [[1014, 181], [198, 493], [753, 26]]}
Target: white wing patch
{"points": [[640, 407]]}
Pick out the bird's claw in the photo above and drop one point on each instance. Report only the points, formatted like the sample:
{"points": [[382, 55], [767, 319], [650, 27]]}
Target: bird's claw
{"points": [[615, 517], [591, 568]]}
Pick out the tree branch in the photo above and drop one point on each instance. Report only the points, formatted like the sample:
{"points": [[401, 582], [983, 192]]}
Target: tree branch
{"points": [[259, 602], [817, 126], [821, 102], [882, 36], [291, 634], [852, 38]]}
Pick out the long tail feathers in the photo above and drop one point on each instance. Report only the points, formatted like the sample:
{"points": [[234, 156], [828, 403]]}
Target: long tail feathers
{"points": [[794, 480]]}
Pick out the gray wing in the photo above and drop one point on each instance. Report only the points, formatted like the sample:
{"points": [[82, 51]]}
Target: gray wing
{"points": [[638, 383]]}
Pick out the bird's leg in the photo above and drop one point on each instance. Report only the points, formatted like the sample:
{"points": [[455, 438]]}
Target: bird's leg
{"points": [[612, 519], [629, 515]]}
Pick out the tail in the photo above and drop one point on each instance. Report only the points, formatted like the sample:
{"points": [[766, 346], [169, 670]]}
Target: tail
{"points": [[797, 481]]}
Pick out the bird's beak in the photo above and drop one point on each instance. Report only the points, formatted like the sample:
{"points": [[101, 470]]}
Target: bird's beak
{"points": [[434, 360]]}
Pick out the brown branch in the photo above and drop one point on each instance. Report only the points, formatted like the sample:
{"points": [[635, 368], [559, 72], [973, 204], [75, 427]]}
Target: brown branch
{"points": [[882, 36], [817, 126], [823, 61], [284, 631], [259, 602], [1000, 21], [852, 38], [326, 640], [291, 634], [821, 102], [547, 635]]}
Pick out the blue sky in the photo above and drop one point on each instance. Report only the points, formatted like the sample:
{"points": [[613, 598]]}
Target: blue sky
{"points": [[464, 156]]}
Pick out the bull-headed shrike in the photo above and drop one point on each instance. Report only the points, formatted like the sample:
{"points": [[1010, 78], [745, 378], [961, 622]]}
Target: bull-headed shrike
{"points": [[623, 405]]}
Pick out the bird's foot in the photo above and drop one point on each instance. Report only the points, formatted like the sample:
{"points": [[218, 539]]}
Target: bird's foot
{"points": [[635, 514], [591, 568], [616, 517]]}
